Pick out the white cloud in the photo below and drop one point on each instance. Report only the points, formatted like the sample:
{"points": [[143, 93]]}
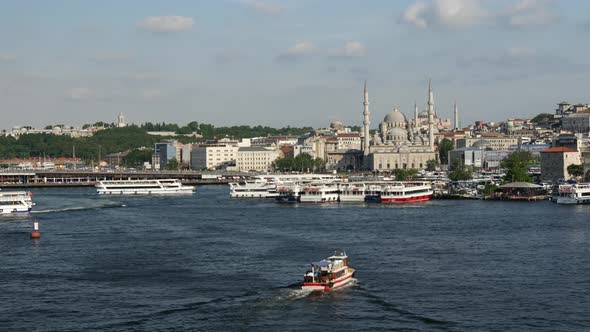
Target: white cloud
{"points": [[443, 13], [7, 57], [80, 93], [296, 52], [263, 7], [352, 49], [530, 13], [167, 23]]}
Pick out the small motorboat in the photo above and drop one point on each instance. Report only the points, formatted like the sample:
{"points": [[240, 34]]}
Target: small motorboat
{"points": [[328, 274]]}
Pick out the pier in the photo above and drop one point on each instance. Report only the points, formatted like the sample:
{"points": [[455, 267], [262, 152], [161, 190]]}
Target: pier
{"points": [[81, 178]]}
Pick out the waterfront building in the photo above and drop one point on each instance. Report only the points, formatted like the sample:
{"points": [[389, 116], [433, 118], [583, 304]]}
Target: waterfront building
{"points": [[397, 143], [213, 156], [116, 159], [554, 162], [164, 152], [494, 141], [255, 158]]}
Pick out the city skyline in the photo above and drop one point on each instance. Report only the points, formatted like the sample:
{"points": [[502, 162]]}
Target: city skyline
{"points": [[281, 63]]}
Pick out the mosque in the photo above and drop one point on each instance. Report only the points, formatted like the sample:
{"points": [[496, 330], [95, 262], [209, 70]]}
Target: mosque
{"points": [[399, 143]]}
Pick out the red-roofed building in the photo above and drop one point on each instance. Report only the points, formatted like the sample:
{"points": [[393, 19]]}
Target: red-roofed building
{"points": [[554, 162]]}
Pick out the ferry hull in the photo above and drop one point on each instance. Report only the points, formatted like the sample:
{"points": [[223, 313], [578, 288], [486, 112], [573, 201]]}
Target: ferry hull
{"points": [[14, 209], [352, 198], [287, 199], [326, 199], [334, 284], [572, 200], [405, 199], [143, 192]]}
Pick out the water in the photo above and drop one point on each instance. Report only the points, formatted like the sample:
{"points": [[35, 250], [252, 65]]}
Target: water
{"points": [[208, 263]]}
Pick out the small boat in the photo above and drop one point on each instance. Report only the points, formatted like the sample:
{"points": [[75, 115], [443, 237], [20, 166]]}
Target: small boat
{"points": [[15, 202], [373, 192], [288, 193], [328, 274], [574, 194]]}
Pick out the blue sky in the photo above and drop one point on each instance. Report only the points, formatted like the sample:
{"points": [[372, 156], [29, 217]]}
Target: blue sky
{"points": [[280, 63]]}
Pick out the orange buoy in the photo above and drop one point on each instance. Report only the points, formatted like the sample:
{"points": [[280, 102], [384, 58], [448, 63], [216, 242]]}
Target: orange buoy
{"points": [[35, 234]]}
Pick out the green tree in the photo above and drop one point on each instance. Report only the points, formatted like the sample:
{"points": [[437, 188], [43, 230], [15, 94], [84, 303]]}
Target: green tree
{"points": [[431, 165], [444, 146], [137, 157], [542, 117], [404, 174], [304, 162], [461, 172], [575, 170], [517, 166], [172, 165], [319, 165], [284, 164]]}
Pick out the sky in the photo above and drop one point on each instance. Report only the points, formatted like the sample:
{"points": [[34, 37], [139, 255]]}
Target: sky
{"points": [[287, 63]]}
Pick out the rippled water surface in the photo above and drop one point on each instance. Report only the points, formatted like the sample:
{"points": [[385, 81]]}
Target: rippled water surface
{"points": [[208, 263]]}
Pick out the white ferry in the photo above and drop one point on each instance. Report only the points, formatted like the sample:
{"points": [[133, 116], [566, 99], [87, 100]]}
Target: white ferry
{"points": [[319, 193], [328, 274], [574, 193], [352, 192], [265, 186], [253, 190], [143, 187], [405, 192], [15, 202]]}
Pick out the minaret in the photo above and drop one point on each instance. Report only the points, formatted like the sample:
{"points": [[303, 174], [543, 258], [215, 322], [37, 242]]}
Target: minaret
{"points": [[430, 115], [456, 117], [415, 115], [366, 122]]}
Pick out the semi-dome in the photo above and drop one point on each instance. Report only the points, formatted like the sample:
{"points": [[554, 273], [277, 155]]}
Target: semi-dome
{"points": [[395, 117], [397, 131]]}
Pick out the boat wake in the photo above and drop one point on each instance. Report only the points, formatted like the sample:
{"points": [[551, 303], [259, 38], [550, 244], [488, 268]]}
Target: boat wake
{"points": [[79, 208]]}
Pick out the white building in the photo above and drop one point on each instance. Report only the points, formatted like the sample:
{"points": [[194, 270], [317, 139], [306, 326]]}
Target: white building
{"points": [[255, 159], [213, 156]]}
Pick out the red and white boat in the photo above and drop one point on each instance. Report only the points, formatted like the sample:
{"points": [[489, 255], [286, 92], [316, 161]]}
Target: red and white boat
{"points": [[328, 274], [406, 192]]}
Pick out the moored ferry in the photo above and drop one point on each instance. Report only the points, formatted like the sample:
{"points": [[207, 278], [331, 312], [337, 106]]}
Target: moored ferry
{"points": [[143, 187], [373, 192], [328, 274], [319, 193], [288, 193], [252, 190], [352, 192], [574, 193], [266, 186], [405, 192], [15, 202]]}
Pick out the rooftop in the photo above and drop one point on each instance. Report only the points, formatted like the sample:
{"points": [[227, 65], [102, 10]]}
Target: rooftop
{"points": [[558, 150]]}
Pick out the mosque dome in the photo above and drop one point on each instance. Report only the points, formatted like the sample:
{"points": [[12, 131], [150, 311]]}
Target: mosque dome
{"points": [[336, 125], [395, 117]]}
